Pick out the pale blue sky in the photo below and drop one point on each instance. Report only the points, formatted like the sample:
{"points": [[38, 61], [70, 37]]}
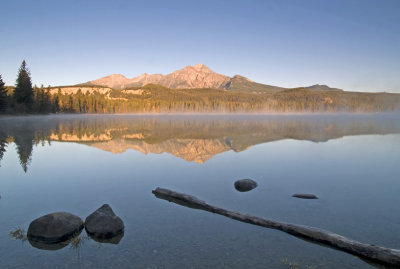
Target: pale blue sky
{"points": [[354, 45]]}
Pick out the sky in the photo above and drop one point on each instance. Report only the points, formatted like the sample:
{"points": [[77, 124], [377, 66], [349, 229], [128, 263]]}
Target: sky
{"points": [[352, 44]]}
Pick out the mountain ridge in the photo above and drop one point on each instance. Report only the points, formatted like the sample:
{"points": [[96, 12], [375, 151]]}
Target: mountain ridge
{"points": [[196, 76]]}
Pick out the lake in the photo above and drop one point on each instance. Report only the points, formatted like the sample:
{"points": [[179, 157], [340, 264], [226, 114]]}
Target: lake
{"points": [[78, 163]]}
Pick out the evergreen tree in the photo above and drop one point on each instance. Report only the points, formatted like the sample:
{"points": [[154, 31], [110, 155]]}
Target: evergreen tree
{"points": [[3, 96], [23, 93]]}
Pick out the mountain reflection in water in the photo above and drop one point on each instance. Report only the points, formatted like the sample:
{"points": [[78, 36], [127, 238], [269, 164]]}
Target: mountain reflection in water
{"points": [[192, 138]]}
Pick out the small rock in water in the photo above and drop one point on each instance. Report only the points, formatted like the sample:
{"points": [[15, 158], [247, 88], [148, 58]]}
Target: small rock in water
{"points": [[104, 224], [54, 228], [304, 196], [244, 185]]}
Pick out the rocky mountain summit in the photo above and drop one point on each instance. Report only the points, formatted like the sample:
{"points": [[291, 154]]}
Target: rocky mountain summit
{"points": [[190, 77]]}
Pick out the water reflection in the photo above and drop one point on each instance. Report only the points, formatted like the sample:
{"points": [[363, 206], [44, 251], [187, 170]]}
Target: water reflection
{"points": [[194, 139], [113, 240], [3, 144], [47, 246]]}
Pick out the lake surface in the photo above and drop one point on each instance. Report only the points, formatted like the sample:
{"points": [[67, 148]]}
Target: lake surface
{"points": [[78, 163]]}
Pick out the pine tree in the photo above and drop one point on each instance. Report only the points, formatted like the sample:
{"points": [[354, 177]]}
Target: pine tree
{"points": [[23, 93], [3, 96]]}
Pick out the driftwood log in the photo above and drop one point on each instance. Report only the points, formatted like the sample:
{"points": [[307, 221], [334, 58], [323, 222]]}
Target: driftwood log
{"points": [[377, 254]]}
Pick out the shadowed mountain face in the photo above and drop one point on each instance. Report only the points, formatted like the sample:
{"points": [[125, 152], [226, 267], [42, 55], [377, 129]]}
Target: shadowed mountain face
{"points": [[318, 87], [197, 76], [194, 139], [242, 84]]}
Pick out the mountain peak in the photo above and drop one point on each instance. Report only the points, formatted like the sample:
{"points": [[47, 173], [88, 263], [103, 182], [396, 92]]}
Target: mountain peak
{"points": [[200, 66], [116, 76], [114, 80], [197, 67], [141, 76], [322, 87], [241, 78]]}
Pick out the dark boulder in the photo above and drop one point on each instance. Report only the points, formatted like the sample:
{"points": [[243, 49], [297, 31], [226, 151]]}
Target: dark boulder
{"points": [[104, 224], [304, 196], [54, 228], [243, 185]]}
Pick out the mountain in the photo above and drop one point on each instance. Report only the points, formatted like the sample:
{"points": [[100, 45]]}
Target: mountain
{"points": [[190, 77], [318, 87], [112, 81], [242, 84], [198, 76]]}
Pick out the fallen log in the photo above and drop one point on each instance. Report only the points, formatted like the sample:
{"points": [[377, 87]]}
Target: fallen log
{"points": [[380, 255]]}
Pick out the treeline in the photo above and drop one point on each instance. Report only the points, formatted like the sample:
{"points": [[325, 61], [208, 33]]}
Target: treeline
{"points": [[24, 98], [158, 99]]}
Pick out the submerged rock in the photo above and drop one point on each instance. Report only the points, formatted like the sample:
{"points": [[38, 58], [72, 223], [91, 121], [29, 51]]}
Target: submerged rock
{"points": [[48, 246], [104, 224], [304, 196], [54, 228], [243, 185]]}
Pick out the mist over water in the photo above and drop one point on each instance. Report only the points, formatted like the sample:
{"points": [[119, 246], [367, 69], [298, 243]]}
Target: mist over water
{"points": [[77, 163]]}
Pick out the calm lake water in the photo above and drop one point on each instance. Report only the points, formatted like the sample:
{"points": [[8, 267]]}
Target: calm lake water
{"points": [[78, 163]]}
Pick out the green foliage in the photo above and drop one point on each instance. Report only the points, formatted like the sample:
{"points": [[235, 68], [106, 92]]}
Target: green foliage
{"points": [[78, 241], [43, 102], [26, 98], [18, 234], [158, 99], [23, 93], [3, 96]]}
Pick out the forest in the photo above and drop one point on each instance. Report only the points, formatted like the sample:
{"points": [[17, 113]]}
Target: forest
{"points": [[158, 99]]}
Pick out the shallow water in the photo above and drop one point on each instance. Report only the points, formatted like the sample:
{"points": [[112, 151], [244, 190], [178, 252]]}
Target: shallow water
{"points": [[77, 163]]}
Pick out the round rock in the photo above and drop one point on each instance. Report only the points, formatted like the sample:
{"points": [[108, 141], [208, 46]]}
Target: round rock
{"points": [[305, 196], [54, 228], [103, 223], [244, 185]]}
